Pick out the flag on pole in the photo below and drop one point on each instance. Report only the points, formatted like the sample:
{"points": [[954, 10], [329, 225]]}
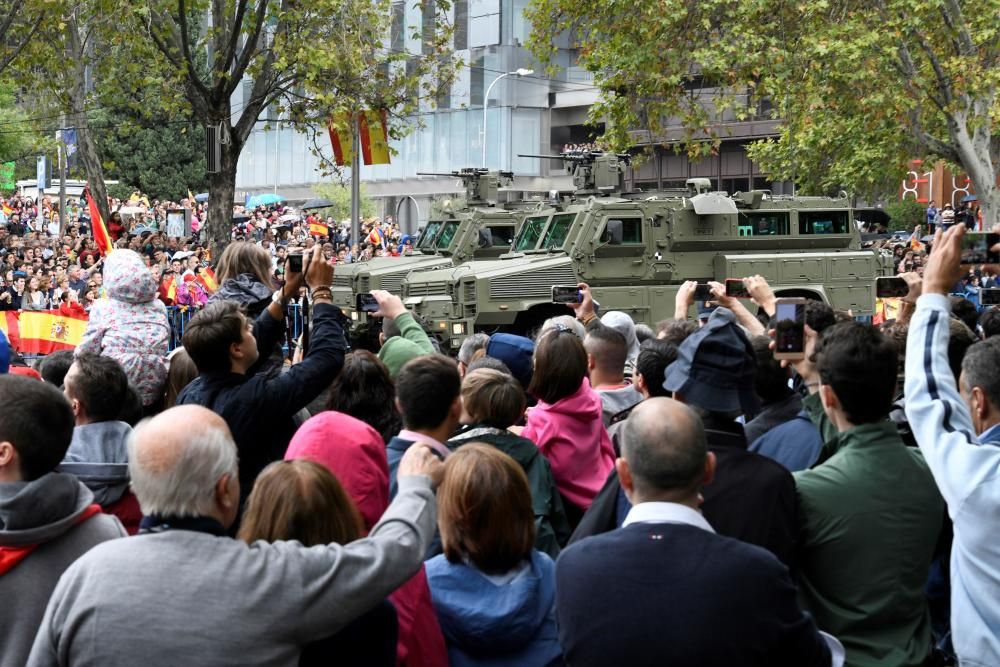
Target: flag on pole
{"points": [[373, 128], [376, 237], [317, 228], [191, 200], [206, 278], [101, 236]]}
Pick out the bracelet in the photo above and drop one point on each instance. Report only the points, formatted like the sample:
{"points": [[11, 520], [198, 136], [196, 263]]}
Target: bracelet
{"points": [[323, 293], [589, 320]]}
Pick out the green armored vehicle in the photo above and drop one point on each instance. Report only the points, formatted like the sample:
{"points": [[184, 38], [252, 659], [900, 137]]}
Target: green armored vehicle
{"points": [[457, 230], [635, 250]]}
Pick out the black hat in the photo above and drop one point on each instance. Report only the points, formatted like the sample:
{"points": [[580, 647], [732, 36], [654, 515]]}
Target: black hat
{"points": [[715, 367]]}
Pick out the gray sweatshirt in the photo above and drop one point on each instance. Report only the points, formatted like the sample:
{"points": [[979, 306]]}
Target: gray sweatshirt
{"points": [[188, 598], [46, 513]]}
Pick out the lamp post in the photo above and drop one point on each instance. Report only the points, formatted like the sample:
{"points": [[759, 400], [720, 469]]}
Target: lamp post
{"points": [[520, 71]]}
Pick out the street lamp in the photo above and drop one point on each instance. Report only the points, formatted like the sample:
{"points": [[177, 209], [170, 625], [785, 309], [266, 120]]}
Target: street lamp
{"points": [[520, 71]]}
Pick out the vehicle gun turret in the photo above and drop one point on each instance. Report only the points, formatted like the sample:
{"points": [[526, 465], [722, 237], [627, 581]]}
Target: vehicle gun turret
{"points": [[594, 172], [481, 185]]}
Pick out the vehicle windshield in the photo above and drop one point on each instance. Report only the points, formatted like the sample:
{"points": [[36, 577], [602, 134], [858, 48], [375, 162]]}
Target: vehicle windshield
{"points": [[530, 233], [426, 241], [446, 235], [556, 235]]}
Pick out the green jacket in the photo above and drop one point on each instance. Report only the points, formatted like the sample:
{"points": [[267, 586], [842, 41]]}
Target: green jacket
{"points": [[871, 516], [552, 528], [410, 344]]}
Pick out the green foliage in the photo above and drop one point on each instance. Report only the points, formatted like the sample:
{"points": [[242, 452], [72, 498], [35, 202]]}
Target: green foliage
{"points": [[340, 196], [164, 161], [906, 214], [860, 87], [120, 191], [20, 140]]}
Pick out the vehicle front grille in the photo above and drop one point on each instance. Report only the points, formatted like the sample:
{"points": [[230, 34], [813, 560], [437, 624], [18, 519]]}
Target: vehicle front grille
{"points": [[427, 289], [342, 281], [531, 284], [391, 282], [364, 284], [469, 292]]}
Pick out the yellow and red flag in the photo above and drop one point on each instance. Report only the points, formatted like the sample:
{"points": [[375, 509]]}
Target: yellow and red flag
{"points": [[7, 210], [318, 229], [206, 278], [10, 327], [101, 236], [45, 332], [373, 131]]}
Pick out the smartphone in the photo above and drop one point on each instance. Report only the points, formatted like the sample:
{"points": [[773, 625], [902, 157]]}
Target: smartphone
{"points": [[295, 262], [366, 303], [703, 292], [566, 294], [980, 248], [989, 296], [891, 288], [790, 328], [736, 288]]}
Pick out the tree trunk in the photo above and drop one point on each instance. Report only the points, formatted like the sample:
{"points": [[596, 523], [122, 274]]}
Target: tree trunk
{"points": [[217, 228]]}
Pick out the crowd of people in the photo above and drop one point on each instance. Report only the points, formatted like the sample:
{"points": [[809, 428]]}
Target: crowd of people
{"points": [[599, 493]]}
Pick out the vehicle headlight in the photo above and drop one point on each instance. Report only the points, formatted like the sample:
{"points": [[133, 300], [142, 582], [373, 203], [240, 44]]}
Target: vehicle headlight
{"points": [[443, 325], [458, 329]]}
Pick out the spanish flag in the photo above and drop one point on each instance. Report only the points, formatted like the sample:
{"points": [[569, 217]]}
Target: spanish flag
{"points": [[11, 328], [206, 278], [101, 236], [45, 332], [373, 129], [7, 210], [377, 237], [318, 229]]}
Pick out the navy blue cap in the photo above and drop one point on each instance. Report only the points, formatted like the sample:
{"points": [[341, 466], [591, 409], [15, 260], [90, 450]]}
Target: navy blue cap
{"points": [[515, 351]]}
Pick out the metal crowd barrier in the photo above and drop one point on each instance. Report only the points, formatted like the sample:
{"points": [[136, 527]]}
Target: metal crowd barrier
{"points": [[179, 316]]}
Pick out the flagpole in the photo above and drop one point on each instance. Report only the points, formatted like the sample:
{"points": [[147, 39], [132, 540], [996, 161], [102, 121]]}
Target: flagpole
{"points": [[356, 185], [63, 159]]}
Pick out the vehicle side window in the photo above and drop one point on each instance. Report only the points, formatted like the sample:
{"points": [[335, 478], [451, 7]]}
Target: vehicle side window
{"points": [[763, 223], [823, 222], [631, 230], [502, 235]]}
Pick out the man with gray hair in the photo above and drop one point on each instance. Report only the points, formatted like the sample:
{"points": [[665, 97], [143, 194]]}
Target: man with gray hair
{"points": [[667, 552], [182, 592], [471, 345]]}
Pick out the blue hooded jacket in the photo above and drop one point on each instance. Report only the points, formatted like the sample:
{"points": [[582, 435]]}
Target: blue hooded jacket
{"points": [[486, 623]]}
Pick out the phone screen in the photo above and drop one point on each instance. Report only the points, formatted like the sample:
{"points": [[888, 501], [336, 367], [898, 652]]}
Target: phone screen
{"points": [[980, 248], [295, 263], [891, 288], [703, 292], [736, 289], [790, 328], [989, 297], [566, 294], [366, 303]]}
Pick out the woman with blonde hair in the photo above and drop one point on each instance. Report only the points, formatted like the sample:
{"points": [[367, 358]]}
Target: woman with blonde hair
{"points": [[244, 276], [301, 500]]}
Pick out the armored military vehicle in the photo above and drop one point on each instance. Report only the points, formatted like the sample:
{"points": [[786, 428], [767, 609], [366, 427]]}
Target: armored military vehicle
{"points": [[458, 229], [635, 250]]}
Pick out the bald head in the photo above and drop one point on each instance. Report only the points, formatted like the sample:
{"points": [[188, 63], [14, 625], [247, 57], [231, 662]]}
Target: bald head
{"points": [[177, 459], [665, 448]]}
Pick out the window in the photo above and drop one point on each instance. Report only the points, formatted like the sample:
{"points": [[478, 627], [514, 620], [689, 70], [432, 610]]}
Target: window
{"points": [[823, 222], [558, 231], [447, 234], [631, 230], [530, 233], [763, 223], [426, 241], [503, 235]]}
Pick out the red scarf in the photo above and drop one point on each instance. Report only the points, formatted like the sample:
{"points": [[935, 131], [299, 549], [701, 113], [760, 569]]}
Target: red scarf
{"points": [[11, 556]]}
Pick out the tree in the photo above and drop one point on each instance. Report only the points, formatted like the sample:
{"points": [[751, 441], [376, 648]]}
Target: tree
{"points": [[861, 87], [165, 161], [309, 59], [340, 196], [19, 23]]}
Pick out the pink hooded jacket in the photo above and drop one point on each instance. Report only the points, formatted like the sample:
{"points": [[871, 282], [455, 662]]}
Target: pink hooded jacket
{"points": [[571, 435], [131, 325], [355, 453]]}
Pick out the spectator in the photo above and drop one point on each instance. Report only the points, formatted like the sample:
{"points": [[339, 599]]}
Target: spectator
{"points": [[54, 367], [494, 594], [156, 593], [492, 402], [355, 453], [932, 215], [989, 323], [644, 332], [654, 358], [516, 352], [466, 353], [490, 363], [607, 354], [428, 393], [35, 298], [47, 519], [566, 424], [131, 326], [301, 500], [945, 416], [565, 320], [617, 580], [97, 388], [624, 325], [230, 352], [675, 331], [181, 372], [782, 430], [244, 276], [851, 526], [402, 338], [965, 311], [364, 390]]}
